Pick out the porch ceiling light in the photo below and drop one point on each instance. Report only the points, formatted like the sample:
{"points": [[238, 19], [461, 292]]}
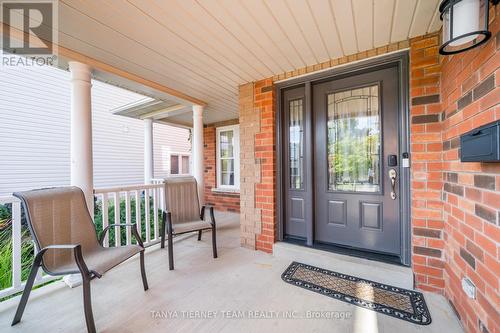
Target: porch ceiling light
{"points": [[465, 24]]}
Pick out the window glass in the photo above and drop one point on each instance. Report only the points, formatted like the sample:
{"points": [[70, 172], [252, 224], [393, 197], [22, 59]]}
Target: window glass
{"points": [[185, 165], [226, 151], [228, 157], [174, 164], [227, 172], [226, 144], [296, 144], [354, 140]]}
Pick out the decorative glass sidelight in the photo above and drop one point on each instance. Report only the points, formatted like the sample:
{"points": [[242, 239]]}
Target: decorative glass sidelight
{"points": [[296, 144], [354, 140]]}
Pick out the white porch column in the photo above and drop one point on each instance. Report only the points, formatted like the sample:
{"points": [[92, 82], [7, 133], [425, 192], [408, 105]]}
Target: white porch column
{"points": [[197, 150], [82, 166], [82, 170], [148, 151]]}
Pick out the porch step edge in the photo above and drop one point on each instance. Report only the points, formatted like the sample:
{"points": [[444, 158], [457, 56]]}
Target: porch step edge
{"points": [[398, 276]]}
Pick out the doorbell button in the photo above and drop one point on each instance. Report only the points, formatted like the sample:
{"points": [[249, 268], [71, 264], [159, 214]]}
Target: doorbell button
{"points": [[406, 160]]}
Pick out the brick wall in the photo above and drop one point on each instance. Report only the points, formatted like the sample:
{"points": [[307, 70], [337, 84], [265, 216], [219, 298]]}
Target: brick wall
{"points": [[257, 107], [455, 206], [470, 96], [222, 201], [427, 216], [265, 149]]}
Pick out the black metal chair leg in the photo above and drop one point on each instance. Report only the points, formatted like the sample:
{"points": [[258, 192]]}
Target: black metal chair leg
{"points": [[214, 241], [27, 291], [162, 231], [87, 305], [170, 251], [214, 233], [199, 235], [143, 272]]}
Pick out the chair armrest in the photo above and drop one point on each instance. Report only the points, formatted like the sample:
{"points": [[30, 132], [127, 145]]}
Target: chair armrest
{"points": [[134, 232], [60, 247], [212, 216], [77, 252]]}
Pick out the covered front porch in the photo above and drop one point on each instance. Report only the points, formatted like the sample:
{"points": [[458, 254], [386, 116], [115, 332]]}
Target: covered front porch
{"points": [[259, 84], [241, 290]]}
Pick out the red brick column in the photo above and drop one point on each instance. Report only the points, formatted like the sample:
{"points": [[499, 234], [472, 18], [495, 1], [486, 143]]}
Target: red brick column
{"points": [[427, 165], [265, 149]]}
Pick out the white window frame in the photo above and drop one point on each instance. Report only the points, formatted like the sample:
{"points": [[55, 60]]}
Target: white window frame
{"points": [[236, 152], [180, 163]]}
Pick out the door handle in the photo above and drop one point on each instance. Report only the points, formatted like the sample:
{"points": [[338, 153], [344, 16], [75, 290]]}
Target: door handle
{"points": [[392, 176]]}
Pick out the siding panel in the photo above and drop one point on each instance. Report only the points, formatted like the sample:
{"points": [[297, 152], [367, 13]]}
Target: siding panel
{"points": [[35, 133]]}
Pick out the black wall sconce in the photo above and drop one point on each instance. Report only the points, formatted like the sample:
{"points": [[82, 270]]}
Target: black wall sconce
{"points": [[465, 24]]}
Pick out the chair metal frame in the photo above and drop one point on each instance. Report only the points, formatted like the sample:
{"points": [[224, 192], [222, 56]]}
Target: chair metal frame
{"points": [[167, 226], [87, 275]]}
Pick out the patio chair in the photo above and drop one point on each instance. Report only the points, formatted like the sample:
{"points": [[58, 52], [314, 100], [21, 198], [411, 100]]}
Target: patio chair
{"points": [[183, 214], [66, 241]]}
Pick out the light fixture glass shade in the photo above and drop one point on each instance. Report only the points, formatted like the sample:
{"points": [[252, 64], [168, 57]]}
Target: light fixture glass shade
{"points": [[465, 24]]}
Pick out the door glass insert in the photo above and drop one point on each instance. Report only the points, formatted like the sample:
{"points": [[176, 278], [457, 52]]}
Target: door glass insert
{"points": [[354, 140], [296, 144]]}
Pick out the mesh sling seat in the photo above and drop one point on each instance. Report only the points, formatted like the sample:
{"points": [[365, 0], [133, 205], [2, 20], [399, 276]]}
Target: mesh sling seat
{"points": [[183, 214], [66, 240]]}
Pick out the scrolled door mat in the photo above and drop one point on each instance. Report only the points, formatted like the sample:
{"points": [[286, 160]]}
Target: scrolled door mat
{"points": [[397, 302]]}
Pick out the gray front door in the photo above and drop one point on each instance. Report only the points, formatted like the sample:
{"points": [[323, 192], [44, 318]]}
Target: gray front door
{"points": [[355, 122]]}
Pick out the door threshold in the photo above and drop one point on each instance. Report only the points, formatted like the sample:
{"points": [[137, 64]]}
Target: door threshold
{"points": [[349, 251], [359, 266]]}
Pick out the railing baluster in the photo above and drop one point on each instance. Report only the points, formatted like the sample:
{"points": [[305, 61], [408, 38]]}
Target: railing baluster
{"points": [[162, 200], [155, 212], [127, 217], [147, 217], [16, 244], [138, 211], [142, 194], [117, 219], [105, 217]]}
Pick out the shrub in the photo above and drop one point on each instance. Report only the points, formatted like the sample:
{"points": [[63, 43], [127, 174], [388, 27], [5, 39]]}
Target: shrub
{"points": [[111, 218], [27, 256]]}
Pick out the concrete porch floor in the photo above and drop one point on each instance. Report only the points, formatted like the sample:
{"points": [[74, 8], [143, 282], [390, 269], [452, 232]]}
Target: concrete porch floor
{"points": [[226, 291]]}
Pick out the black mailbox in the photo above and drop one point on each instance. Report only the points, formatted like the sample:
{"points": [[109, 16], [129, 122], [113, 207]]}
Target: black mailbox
{"points": [[481, 144]]}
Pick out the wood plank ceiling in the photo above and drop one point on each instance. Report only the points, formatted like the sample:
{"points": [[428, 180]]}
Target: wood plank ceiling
{"points": [[206, 48]]}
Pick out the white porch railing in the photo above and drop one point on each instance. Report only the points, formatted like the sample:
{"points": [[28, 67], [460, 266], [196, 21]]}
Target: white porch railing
{"points": [[157, 181], [148, 224], [16, 251], [133, 201]]}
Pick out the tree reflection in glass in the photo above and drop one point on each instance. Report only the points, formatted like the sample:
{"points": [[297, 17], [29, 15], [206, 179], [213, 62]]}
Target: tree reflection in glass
{"points": [[296, 144], [354, 140]]}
